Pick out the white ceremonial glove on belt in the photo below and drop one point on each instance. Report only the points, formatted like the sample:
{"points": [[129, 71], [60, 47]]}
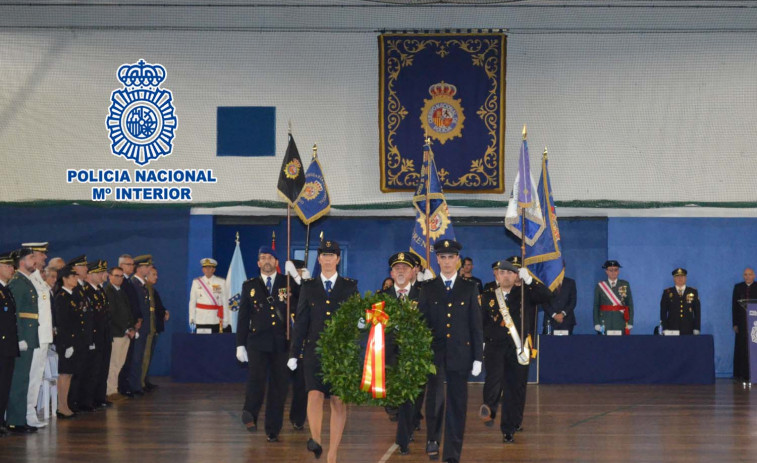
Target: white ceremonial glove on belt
{"points": [[696, 331], [361, 324], [242, 354], [23, 346], [92, 346], [525, 276], [292, 364], [69, 352], [291, 270], [476, 370]]}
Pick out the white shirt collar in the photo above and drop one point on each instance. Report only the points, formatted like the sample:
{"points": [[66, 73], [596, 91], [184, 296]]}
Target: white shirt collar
{"points": [[332, 279], [445, 279], [263, 277], [397, 289], [140, 280], [681, 288], [612, 282], [67, 290]]}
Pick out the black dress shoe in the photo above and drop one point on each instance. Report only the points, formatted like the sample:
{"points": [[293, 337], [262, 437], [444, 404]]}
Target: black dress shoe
{"points": [[315, 447], [404, 450], [485, 413], [151, 386], [508, 438], [63, 416], [86, 408], [519, 428], [21, 429], [272, 438], [432, 449], [249, 421], [298, 427]]}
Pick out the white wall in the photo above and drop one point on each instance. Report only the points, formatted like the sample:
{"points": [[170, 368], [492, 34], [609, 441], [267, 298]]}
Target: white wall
{"points": [[645, 104]]}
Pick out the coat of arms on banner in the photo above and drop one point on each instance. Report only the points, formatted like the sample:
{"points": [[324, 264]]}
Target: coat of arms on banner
{"points": [[141, 120], [449, 87]]}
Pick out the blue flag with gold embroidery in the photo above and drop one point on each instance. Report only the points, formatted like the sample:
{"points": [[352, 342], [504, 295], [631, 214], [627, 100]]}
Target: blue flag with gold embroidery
{"points": [[449, 87], [313, 202], [439, 226]]}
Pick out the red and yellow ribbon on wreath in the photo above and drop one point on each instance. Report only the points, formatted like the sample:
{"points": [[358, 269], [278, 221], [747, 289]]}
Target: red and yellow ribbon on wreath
{"points": [[374, 371]]}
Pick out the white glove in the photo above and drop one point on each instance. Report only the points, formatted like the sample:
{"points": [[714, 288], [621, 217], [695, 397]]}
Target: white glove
{"points": [[630, 327], [696, 332], [525, 276], [136, 335], [361, 324], [23, 346], [292, 364], [476, 368], [291, 270], [92, 346], [425, 275], [242, 354], [69, 352], [305, 274], [597, 328]]}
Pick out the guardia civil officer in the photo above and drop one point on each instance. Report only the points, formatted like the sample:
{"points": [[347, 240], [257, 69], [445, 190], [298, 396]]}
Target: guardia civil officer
{"points": [[680, 308], [262, 342], [613, 302], [320, 297], [451, 307], [401, 271], [507, 334], [8, 335]]}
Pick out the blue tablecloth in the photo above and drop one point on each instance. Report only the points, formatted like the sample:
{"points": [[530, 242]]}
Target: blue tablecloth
{"points": [[206, 358], [591, 359]]}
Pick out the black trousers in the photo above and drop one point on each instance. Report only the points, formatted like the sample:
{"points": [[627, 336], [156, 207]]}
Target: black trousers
{"points": [[506, 381], [101, 384], [741, 355], [450, 408], [6, 375], [298, 412], [83, 382], [409, 418], [267, 370]]}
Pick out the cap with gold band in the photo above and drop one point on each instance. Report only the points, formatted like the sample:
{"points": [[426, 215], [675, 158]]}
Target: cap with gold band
{"points": [[97, 266], [38, 246], [680, 272], [7, 258], [143, 260], [208, 262], [79, 260], [516, 261], [401, 258]]}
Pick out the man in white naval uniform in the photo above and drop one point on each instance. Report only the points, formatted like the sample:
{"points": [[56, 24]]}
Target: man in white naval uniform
{"points": [[45, 330], [209, 300]]}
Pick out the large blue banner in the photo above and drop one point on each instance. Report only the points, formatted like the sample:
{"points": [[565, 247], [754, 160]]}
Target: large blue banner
{"points": [[451, 88]]}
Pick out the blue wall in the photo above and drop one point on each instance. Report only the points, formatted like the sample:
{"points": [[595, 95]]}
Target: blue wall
{"points": [[102, 233]]}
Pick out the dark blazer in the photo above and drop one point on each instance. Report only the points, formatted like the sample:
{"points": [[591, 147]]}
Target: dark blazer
{"points": [[491, 286], [314, 308], [262, 322], [160, 312], [85, 316], [128, 287], [100, 318], [68, 310], [143, 302], [682, 313], [563, 300], [741, 291], [120, 311], [494, 332], [454, 320], [392, 349], [8, 330]]}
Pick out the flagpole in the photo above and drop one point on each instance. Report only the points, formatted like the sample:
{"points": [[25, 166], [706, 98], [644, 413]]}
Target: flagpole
{"points": [[428, 159], [543, 159], [523, 258]]}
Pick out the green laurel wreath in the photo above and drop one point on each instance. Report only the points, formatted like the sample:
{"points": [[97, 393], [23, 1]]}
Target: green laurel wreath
{"points": [[342, 356]]}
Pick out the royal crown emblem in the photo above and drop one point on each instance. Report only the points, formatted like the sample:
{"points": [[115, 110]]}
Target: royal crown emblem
{"points": [[442, 115], [311, 190], [292, 169], [141, 120]]}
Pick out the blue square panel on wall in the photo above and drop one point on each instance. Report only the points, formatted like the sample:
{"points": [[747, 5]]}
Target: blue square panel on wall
{"points": [[246, 131]]}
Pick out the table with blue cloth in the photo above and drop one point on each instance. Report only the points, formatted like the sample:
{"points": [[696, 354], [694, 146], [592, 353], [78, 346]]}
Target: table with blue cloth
{"points": [[206, 358], [592, 359]]}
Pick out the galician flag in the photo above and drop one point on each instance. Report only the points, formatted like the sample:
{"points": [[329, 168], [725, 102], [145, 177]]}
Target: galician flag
{"points": [[234, 280]]}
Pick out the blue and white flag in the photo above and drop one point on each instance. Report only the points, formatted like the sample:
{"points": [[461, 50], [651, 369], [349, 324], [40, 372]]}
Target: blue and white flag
{"points": [[234, 280], [439, 226], [313, 202], [524, 199]]}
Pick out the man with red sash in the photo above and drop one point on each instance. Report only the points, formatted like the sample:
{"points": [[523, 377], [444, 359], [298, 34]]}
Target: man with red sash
{"points": [[208, 301], [613, 302]]}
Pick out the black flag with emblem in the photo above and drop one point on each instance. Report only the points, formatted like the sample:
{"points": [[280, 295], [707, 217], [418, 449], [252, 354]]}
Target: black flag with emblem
{"points": [[292, 175]]}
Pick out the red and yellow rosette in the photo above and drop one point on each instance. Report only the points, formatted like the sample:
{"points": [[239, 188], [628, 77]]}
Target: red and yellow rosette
{"points": [[374, 371]]}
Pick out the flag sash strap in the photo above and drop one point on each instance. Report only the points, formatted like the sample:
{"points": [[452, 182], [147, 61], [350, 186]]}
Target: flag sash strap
{"points": [[218, 306], [524, 356], [610, 295]]}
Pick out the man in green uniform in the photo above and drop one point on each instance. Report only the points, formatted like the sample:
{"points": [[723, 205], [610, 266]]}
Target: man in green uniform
{"points": [[27, 314], [613, 303]]}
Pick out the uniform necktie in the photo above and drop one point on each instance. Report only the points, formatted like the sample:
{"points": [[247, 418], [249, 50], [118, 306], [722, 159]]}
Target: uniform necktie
{"points": [[680, 292], [328, 287], [448, 284], [403, 293], [268, 285]]}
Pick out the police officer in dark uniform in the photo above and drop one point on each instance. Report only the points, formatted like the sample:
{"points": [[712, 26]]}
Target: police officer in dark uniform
{"points": [[96, 385], [261, 340], [451, 307], [492, 285], [298, 409], [69, 343], [401, 265], [81, 397], [8, 335], [319, 298], [507, 362], [679, 307]]}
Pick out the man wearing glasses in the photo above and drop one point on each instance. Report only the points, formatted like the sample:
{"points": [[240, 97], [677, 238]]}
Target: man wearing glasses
{"points": [[121, 327]]}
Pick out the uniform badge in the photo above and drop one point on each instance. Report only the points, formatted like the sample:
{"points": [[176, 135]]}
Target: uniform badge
{"points": [[292, 169], [690, 298], [442, 115], [623, 291], [491, 303], [310, 191], [479, 300], [252, 292], [670, 294], [141, 120], [282, 294]]}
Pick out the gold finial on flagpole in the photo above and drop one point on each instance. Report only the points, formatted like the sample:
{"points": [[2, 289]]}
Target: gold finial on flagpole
{"points": [[315, 150], [237, 240], [273, 236], [524, 131], [320, 236], [545, 153]]}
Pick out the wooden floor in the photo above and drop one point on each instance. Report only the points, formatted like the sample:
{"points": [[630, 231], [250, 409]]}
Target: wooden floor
{"points": [[201, 423]]}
